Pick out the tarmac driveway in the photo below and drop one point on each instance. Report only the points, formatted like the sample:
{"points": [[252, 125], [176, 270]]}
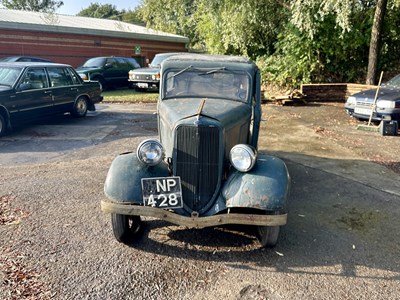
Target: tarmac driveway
{"points": [[341, 242]]}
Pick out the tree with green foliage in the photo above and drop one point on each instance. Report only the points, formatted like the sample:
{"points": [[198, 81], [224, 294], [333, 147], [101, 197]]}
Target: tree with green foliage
{"points": [[132, 16], [321, 43], [33, 5], [247, 28], [108, 11], [294, 41], [374, 47], [173, 16], [101, 11]]}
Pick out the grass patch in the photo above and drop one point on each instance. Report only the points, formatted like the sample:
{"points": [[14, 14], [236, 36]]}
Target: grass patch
{"points": [[129, 96]]}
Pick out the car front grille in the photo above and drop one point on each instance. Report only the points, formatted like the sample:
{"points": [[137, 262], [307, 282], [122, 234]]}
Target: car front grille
{"points": [[197, 161], [364, 104], [141, 77]]}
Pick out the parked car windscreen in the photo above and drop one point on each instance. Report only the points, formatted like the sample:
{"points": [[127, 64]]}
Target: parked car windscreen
{"points": [[8, 76], [394, 82], [133, 62], [95, 62], [207, 83], [157, 60]]}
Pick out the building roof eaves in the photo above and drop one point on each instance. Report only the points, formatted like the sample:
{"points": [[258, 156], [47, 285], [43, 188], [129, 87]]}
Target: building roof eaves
{"points": [[97, 32]]}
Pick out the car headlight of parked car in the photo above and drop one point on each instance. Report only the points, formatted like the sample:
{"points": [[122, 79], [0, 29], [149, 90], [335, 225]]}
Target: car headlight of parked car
{"points": [[351, 101], [150, 152], [385, 104], [243, 157], [155, 77]]}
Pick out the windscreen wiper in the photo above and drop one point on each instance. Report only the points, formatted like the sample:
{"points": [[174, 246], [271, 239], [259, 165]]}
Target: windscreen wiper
{"points": [[183, 70], [212, 71]]}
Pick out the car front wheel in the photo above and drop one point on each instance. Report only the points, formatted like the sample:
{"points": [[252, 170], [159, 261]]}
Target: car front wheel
{"points": [[126, 228], [3, 125], [268, 235], [80, 108]]}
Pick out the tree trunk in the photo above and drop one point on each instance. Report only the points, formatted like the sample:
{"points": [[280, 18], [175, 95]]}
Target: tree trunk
{"points": [[374, 46]]}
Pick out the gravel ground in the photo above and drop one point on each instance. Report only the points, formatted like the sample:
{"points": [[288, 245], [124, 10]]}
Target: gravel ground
{"points": [[341, 241], [329, 121]]}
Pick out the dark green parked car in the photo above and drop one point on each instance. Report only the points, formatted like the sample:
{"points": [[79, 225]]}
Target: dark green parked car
{"points": [[110, 71], [32, 90], [204, 170]]}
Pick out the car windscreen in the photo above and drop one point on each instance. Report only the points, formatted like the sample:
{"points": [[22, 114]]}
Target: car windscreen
{"points": [[95, 62], [9, 75], [207, 83], [133, 63], [157, 60], [395, 82]]}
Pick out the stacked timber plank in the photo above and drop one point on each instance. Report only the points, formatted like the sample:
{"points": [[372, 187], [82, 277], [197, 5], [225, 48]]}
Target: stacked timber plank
{"points": [[291, 98], [322, 92], [335, 92]]}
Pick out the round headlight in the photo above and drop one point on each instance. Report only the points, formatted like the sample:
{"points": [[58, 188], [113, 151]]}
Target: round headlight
{"points": [[243, 157], [150, 152]]}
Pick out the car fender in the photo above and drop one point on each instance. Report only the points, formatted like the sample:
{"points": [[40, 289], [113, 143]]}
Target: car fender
{"points": [[96, 76], [264, 187], [123, 182]]}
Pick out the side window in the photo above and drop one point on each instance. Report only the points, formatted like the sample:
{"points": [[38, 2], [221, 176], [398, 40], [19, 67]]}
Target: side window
{"points": [[34, 78], [76, 79], [133, 63], [59, 76], [122, 63], [111, 61]]}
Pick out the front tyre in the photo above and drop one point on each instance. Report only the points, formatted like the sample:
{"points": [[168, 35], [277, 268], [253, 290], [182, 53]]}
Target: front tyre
{"points": [[80, 108], [268, 235], [3, 125], [126, 228]]}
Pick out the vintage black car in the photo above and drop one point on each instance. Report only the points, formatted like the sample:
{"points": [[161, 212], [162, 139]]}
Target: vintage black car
{"points": [[204, 170], [148, 78], [32, 90]]}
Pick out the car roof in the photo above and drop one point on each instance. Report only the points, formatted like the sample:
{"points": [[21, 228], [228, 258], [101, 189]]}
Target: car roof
{"points": [[170, 53], [210, 57], [111, 56], [16, 58], [32, 64], [208, 60]]}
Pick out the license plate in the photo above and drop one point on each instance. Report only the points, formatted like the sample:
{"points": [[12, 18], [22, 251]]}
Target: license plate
{"points": [[162, 192], [362, 111], [142, 85]]}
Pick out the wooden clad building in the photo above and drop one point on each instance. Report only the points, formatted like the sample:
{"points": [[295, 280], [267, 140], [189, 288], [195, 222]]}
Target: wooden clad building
{"points": [[73, 39]]}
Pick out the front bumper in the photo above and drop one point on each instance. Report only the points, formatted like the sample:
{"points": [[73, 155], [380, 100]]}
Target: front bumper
{"points": [[150, 83], [380, 115], [194, 221]]}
